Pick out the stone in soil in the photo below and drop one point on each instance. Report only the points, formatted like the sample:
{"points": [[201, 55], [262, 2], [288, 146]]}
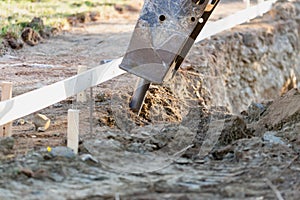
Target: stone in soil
{"points": [[6, 144], [14, 43], [30, 36], [41, 122]]}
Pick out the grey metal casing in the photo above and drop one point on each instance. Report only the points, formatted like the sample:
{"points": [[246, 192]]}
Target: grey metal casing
{"points": [[158, 44]]}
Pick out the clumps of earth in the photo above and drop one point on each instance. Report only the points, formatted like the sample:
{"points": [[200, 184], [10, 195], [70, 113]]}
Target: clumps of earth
{"points": [[83, 17], [205, 150], [80, 18], [187, 143], [187, 102], [36, 31], [32, 34]]}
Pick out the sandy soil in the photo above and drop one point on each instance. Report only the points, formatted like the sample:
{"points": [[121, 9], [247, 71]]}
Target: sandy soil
{"points": [[58, 58], [179, 148]]}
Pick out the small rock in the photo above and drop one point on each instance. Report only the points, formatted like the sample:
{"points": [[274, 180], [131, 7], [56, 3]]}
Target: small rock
{"points": [[270, 137], [183, 161], [136, 147], [41, 122], [62, 152], [125, 8], [15, 43], [102, 97], [39, 173], [94, 16], [235, 128], [221, 153], [250, 39], [284, 11], [44, 34], [30, 36], [55, 30], [27, 172], [6, 144], [20, 122], [254, 112], [102, 62], [88, 157], [58, 105], [82, 17]]}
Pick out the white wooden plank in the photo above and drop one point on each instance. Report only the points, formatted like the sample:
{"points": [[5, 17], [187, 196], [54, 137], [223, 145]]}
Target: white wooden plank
{"points": [[33, 101], [41, 98], [240, 17], [81, 96]]}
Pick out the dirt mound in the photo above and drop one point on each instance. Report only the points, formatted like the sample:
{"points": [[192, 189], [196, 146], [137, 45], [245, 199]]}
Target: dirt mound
{"points": [[254, 60], [284, 111], [252, 166], [192, 138], [80, 18]]}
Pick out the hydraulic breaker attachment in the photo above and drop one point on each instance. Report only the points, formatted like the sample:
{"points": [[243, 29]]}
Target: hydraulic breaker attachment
{"points": [[163, 36]]}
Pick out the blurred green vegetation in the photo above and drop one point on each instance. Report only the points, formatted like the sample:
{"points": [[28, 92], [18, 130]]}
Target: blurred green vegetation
{"points": [[16, 14]]}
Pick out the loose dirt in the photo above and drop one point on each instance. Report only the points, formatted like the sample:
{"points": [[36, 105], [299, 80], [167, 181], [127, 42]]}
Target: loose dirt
{"points": [[186, 144]]}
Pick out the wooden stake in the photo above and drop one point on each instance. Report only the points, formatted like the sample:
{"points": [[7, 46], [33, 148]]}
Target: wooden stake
{"points": [[248, 4], [6, 129], [259, 2], [81, 97], [91, 109], [73, 130]]}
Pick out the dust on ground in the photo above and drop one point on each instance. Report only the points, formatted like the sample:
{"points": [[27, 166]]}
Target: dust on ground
{"points": [[182, 146]]}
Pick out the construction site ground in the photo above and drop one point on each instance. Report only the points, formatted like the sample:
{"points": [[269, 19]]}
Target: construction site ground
{"points": [[184, 145]]}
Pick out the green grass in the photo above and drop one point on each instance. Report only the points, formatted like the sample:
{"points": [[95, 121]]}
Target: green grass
{"points": [[15, 14]]}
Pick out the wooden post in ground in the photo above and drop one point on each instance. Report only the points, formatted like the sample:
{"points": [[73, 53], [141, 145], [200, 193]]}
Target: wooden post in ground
{"points": [[81, 96], [91, 109], [73, 130], [247, 3], [6, 88], [259, 2]]}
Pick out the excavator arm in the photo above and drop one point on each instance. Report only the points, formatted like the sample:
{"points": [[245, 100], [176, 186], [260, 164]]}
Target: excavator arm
{"points": [[163, 36]]}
